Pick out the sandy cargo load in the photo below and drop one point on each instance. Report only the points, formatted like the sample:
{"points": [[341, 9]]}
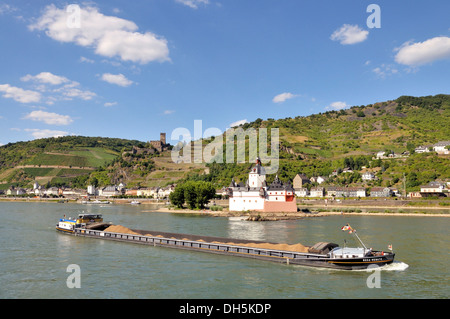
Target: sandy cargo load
{"points": [[214, 240]]}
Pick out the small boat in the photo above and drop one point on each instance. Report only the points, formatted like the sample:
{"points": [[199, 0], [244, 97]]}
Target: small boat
{"points": [[97, 202], [135, 202], [69, 224]]}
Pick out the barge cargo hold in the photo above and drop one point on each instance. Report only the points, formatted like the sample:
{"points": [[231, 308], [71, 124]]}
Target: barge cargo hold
{"points": [[325, 255]]}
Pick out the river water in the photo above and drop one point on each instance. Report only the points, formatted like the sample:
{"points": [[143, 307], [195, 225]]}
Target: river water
{"points": [[34, 257]]}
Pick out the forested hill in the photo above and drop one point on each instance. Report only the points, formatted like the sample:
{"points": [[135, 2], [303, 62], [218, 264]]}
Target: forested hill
{"points": [[60, 160], [319, 144], [361, 130], [315, 145]]}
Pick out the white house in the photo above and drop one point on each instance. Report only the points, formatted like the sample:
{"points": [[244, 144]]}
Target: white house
{"points": [[164, 192], [52, 191], [301, 192], [368, 176], [380, 154], [432, 187], [441, 147], [317, 192], [92, 190], [109, 191], [422, 149], [15, 191]]}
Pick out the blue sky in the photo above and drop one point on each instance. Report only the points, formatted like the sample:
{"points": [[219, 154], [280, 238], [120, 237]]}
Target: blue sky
{"points": [[132, 69]]}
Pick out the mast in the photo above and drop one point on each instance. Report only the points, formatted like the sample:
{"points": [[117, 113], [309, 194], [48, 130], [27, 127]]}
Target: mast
{"points": [[353, 231], [359, 239]]}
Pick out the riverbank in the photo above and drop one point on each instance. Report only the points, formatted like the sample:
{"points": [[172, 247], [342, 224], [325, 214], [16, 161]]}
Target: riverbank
{"points": [[263, 216], [311, 209]]}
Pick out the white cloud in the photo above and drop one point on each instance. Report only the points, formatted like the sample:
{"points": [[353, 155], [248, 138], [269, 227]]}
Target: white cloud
{"points": [[20, 95], [167, 112], [419, 53], [349, 34], [61, 88], [86, 60], [69, 93], [385, 70], [6, 8], [338, 105], [49, 118], [237, 123], [193, 3], [46, 77], [109, 104], [280, 98], [37, 133], [118, 79], [109, 36]]}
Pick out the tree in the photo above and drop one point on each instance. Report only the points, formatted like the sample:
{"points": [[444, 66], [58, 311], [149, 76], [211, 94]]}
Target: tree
{"points": [[410, 147], [196, 194], [205, 191], [177, 196], [189, 194]]}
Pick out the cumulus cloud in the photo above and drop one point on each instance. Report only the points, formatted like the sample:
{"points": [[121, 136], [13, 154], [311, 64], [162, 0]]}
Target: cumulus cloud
{"points": [[193, 3], [38, 133], [414, 54], [338, 105], [49, 118], [108, 35], [46, 77], [118, 79], [280, 98], [58, 87], [349, 34], [19, 94]]}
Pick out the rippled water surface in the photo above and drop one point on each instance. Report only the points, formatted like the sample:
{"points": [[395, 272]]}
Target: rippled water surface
{"points": [[34, 257]]}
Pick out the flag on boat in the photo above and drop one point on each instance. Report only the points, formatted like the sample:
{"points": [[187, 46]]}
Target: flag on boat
{"points": [[349, 228], [390, 247], [346, 227]]}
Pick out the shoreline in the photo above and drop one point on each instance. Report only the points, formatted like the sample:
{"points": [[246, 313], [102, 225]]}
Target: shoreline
{"points": [[288, 216], [266, 216]]}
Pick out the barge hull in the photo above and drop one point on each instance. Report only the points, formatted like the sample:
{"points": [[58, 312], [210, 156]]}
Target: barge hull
{"points": [[210, 245]]}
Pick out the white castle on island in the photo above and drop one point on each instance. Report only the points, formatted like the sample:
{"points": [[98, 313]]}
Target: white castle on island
{"points": [[256, 195]]}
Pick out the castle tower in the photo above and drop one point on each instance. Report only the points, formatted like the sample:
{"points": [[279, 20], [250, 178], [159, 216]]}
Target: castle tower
{"points": [[257, 175], [162, 138]]}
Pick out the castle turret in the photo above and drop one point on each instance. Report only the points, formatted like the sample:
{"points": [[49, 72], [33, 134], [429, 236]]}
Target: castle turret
{"points": [[257, 175]]}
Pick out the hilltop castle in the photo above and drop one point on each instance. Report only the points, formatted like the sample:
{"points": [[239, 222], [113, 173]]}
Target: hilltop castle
{"points": [[160, 145], [256, 195]]}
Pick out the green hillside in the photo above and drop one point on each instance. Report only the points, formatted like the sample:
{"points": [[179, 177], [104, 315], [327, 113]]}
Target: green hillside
{"points": [[57, 161], [315, 145], [319, 144]]}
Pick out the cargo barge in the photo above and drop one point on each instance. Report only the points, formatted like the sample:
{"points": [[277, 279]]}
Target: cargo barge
{"points": [[323, 254]]}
